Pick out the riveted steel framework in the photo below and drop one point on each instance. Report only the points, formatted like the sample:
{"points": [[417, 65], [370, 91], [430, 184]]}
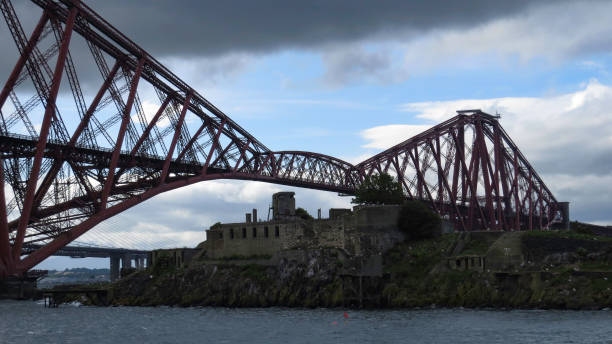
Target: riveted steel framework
{"points": [[469, 170], [90, 160]]}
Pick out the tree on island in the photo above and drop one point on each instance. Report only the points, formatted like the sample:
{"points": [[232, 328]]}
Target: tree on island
{"points": [[418, 222], [415, 219], [379, 189], [303, 214]]}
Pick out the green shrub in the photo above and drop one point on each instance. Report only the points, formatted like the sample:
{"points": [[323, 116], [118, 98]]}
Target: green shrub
{"points": [[418, 222], [303, 214], [580, 228], [254, 272], [379, 189]]}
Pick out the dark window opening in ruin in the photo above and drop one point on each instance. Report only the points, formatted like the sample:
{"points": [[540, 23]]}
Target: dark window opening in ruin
{"points": [[220, 235], [472, 261], [276, 232], [244, 232], [254, 232], [266, 234], [458, 262], [231, 233]]}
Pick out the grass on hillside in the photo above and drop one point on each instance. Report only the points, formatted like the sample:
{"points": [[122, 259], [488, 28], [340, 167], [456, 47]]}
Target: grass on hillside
{"points": [[565, 234], [417, 258]]}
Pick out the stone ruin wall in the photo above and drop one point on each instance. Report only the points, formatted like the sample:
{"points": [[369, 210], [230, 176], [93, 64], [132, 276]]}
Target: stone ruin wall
{"points": [[220, 244], [366, 231]]}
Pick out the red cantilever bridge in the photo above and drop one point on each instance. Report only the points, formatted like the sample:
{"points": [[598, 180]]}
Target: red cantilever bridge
{"points": [[90, 159]]}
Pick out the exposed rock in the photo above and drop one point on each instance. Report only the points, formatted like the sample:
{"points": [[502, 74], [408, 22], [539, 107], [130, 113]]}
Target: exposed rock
{"points": [[415, 274]]}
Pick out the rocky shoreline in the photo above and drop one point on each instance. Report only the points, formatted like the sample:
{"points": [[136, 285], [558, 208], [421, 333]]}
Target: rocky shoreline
{"points": [[540, 269]]}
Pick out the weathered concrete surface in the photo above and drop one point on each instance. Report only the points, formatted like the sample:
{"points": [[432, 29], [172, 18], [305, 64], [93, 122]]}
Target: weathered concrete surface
{"points": [[368, 230]]}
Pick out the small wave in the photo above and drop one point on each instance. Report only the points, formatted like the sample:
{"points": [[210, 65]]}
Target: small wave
{"points": [[75, 304]]}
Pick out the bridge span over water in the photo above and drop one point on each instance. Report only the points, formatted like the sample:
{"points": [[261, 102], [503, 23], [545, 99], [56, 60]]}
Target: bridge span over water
{"points": [[104, 154], [118, 257]]}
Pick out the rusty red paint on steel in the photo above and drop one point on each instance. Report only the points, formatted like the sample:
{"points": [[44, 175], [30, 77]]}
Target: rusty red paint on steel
{"points": [[448, 166], [44, 131]]}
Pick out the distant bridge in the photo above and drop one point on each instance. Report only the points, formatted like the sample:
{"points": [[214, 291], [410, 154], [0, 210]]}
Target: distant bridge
{"points": [[105, 155], [140, 258]]}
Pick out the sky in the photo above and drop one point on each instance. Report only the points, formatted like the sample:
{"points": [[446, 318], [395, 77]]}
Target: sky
{"points": [[352, 78]]}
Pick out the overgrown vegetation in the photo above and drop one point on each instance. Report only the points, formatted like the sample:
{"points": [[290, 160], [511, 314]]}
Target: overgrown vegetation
{"points": [[379, 189], [243, 257], [416, 259], [476, 247], [303, 214], [164, 264], [418, 222], [567, 235], [580, 227], [415, 274]]}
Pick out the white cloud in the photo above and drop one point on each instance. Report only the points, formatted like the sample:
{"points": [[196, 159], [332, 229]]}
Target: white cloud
{"points": [[567, 138], [556, 31], [150, 109], [554, 125], [385, 136], [224, 190]]}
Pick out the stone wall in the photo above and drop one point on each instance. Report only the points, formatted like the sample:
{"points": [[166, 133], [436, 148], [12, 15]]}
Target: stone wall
{"points": [[252, 239], [336, 213], [370, 230], [178, 257], [376, 216]]}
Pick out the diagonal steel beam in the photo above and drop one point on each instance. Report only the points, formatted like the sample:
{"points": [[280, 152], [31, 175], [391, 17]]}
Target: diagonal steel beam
{"points": [[177, 132], [23, 58], [191, 141], [44, 132], [110, 178]]}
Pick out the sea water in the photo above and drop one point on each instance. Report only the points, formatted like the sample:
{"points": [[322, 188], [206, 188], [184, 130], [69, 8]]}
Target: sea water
{"points": [[31, 322]]}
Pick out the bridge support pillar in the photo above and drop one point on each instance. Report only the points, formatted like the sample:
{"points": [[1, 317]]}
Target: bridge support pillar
{"points": [[126, 261], [114, 268], [565, 219], [139, 263]]}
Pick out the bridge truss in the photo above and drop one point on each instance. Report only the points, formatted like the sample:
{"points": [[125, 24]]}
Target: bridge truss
{"points": [[67, 163]]}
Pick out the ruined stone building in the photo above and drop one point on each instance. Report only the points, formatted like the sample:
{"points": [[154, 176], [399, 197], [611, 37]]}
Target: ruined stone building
{"points": [[365, 230]]}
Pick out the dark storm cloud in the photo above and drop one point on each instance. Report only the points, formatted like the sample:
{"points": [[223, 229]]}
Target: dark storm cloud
{"points": [[216, 27], [344, 65], [212, 29]]}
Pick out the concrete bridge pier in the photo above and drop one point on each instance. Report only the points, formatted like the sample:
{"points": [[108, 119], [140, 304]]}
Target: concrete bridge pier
{"points": [[114, 267], [565, 215], [139, 263], [126, 261]]}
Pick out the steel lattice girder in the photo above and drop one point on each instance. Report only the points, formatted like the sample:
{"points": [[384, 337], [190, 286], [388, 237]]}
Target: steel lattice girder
{"points": [[471, 172], [62, 181]]}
